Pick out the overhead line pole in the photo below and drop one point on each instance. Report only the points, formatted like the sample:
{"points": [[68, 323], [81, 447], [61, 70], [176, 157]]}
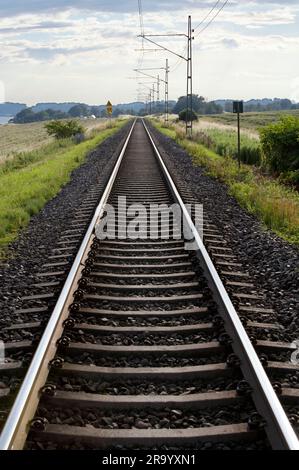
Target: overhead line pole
{"points": [[188, 59], [189, 113], [166, 82], [158, 89], [154, 91], [166, 92]]}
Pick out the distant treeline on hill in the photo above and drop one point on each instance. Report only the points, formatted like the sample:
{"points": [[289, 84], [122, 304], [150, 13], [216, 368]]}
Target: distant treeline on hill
{"points": [[49, 111], [11, 109], [260, 105]]}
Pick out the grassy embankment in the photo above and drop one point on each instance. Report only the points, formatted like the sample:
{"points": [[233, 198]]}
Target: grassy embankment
{"points": [[251, 121], [29, 180], [17, 138], [274, 204], [224, 142]]}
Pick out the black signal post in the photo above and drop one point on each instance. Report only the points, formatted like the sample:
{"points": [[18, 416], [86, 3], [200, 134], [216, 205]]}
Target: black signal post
{"points": [[238, 108]]}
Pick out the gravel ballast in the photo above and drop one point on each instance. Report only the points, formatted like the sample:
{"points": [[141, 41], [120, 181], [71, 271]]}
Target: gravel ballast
{"points": [[271, 262], [35, 243]]}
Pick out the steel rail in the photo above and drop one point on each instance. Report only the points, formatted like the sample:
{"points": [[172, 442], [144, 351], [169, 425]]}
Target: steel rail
{"points": [[279, 429], [15, 431]]}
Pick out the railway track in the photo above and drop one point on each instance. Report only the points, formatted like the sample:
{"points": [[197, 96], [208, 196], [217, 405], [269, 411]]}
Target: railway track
{"points": [[144, 348]]}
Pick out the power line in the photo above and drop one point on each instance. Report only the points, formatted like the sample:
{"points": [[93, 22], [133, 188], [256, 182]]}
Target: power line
{"points": [[179, 61], [163, 47], [207, 16], [212, 19]]}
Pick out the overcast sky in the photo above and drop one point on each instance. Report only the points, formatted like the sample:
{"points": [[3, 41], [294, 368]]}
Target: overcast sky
{"points": [[75, 50]]}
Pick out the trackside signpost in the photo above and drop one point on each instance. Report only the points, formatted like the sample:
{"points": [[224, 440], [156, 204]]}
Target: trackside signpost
{"points": [[238, 108]]}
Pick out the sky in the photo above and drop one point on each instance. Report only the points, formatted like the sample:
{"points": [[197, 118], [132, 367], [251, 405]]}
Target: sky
{"points": [[86, 51]]}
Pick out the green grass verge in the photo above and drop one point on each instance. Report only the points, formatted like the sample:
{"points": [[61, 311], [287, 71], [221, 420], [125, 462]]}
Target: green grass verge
{"points": [[30, 181], [251, 120], [224, 142], [274, 204]]}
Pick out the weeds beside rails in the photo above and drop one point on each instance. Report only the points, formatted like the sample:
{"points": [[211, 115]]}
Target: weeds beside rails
{"points": [[224, 142], [29, 181], [274, 204]]}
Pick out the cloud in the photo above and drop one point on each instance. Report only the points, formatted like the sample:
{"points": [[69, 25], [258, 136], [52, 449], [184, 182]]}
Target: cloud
{"points": [[42, 26], [16, 7], [95, 38], [278, 16], [230, 43], [48, 53]]}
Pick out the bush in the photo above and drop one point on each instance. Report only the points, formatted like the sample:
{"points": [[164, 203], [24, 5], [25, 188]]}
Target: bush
{"points": [[290, 178], [280, 145], [64, 129], [191, 117]]}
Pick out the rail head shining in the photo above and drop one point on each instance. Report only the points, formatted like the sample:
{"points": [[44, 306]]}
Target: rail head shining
{"points": [[279, 430], [15, 431]]}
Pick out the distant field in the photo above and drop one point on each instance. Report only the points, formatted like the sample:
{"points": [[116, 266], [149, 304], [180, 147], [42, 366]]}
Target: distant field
{"points": [[17, 138], [251, 121]]}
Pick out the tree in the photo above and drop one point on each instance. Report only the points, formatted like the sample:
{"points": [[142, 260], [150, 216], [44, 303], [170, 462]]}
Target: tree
{"points": [[191, 117], [280, 144], [95, 110], [64, 129], [199, 105], [27, 115], [80, 110], [182, 104]]}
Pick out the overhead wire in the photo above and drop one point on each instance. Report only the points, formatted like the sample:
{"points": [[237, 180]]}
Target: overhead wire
{"points": [[179, 61], [212, 19], [207, 16]]}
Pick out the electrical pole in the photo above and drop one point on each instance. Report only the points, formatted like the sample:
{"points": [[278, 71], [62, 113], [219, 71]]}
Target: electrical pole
{"points": [[153, 98], [189, 113], [166, 91], [159, 80], [188, 59], [158, 89]]}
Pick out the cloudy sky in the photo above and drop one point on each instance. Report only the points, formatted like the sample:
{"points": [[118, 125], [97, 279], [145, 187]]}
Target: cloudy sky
{"points": [[86, 50]]}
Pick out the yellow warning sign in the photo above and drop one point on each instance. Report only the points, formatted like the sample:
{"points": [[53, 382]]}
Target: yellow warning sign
{"points": [[109, 107]]}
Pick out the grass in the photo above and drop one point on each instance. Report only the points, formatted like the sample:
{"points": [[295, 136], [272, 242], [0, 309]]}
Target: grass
{"points": [[18, 138], [224, 142], [274, 204], [251, 121], [29, 181]]}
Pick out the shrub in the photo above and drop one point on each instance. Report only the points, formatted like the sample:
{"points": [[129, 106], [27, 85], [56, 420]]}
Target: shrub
{"points": [[290, 178], [191, 116], [64, 129], [280, 144]]}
